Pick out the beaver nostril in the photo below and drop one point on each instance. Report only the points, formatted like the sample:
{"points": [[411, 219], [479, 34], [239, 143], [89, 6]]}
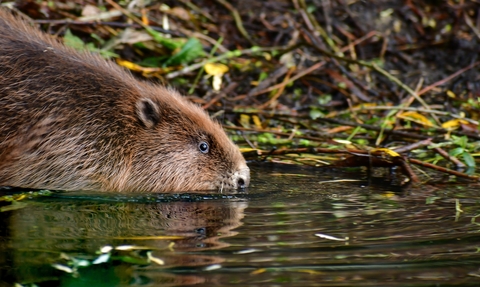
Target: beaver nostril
{"points": [[241, 183]]}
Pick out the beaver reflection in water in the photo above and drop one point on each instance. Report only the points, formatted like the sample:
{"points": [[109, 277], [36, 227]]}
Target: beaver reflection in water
{"points": [[73, 121]]}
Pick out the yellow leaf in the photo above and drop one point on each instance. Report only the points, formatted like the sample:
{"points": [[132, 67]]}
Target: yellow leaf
{"points": [[257, 121], [385, 151], [215, 69], [137, 68], [129, 65], [247, 149], [245, 120], [388, 194], [451, 94], [416, 117], [258, 271], [455, 123]]}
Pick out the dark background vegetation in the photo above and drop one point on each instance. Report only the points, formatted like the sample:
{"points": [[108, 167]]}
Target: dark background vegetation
{"points": [[401, 75]]}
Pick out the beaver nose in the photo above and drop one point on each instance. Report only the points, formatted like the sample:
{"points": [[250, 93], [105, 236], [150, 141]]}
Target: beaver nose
{"points": [[242, 177], [241, 183]]}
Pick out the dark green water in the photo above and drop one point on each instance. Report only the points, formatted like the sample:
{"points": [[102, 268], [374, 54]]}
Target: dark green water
{"points": [[293, 227]]}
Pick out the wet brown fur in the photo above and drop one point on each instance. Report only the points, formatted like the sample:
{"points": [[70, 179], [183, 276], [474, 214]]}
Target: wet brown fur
{"points": [[73, 121]]}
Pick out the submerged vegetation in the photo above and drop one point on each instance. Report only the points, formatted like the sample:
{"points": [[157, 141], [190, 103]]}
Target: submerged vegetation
{"points": [[323, 83]]}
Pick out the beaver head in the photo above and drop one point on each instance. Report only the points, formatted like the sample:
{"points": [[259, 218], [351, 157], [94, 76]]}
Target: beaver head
{"points": [[181, 146]]}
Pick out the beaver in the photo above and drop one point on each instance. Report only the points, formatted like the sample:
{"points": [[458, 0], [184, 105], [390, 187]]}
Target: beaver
{"points": [[71, 120]]}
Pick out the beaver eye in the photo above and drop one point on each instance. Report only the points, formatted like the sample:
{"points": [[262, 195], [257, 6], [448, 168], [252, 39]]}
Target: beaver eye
{"points": [[203, 147]]}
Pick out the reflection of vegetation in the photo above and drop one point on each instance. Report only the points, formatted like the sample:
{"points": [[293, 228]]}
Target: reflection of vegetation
{"points": [[16, 199], [130, 254]]}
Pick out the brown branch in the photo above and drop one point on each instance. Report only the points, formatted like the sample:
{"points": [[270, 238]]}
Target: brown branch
{"points": [[444, 170], [413, 146], [443, 81], [446, 156]]}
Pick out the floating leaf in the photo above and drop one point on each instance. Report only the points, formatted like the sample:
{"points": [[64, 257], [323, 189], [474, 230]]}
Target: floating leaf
{"points": [[155, 259], [106, 249], [63, 268], [329, 237], [102, 259], [212, 267], [126, 247]]}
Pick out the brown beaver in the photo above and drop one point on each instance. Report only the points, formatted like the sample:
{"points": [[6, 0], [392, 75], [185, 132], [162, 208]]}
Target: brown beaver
{"points": [[73, 121]]}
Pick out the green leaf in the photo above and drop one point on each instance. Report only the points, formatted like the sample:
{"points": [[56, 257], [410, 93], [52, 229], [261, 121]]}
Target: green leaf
{"points": [[460, 141], [315, 114], [168, 43], [73, 41], [153, 61], [456, 151], [324, 99], [262, 76], [468, 158], [189, 52], [304, 142], [107, 54]]}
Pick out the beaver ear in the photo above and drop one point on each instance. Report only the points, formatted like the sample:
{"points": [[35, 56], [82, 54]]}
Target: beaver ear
{"points": [[148, 112]]}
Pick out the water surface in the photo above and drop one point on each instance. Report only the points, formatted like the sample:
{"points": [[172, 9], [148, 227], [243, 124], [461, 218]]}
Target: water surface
{"points": [[293, 227]]}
